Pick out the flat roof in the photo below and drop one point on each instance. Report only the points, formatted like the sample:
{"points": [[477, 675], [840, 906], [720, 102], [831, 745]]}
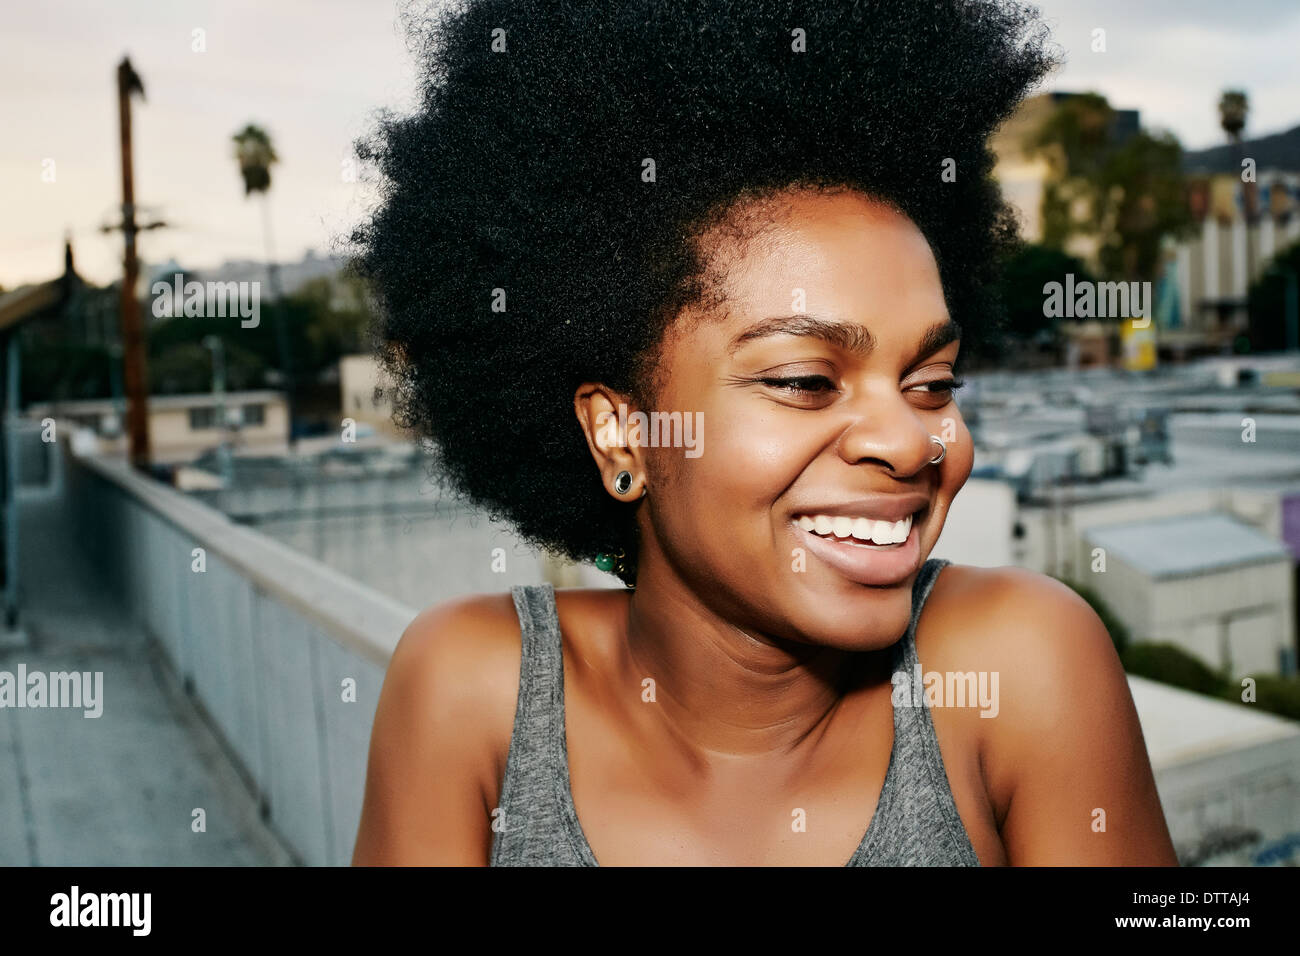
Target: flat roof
{"points": [[1180, 726], [91, 406], [1187, 544]]}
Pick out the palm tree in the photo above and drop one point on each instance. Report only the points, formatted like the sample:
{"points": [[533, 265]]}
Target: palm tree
{"points": [[256, 156], [1234, 108]]}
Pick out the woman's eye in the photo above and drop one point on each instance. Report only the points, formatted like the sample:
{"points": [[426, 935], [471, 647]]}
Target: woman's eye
{"points": [[801, 384], [808, 386], [941, 386], [938, 393]]}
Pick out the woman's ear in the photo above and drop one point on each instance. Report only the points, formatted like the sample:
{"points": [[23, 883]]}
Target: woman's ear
{"points": [[604, 414]]}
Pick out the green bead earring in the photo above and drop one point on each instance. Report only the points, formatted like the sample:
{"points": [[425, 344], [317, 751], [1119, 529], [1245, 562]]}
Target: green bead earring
{"points": [[612, 563]]}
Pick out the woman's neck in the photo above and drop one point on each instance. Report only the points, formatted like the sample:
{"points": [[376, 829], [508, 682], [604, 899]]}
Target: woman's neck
{"points": [[724, 690]]}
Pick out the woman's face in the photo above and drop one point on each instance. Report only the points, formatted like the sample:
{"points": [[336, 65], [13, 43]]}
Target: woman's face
{"points": [[817, 386]]}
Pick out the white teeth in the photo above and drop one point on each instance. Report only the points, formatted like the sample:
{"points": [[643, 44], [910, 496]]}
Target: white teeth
{"points": [[874, 530]]}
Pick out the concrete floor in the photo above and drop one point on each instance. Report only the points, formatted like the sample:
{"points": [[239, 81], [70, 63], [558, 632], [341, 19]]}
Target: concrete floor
{"points": [[120, 789]]}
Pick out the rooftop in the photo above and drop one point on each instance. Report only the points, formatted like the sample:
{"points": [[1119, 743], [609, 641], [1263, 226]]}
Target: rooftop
{"points": [[91, 406], [1180, 726], [1187, 544]]}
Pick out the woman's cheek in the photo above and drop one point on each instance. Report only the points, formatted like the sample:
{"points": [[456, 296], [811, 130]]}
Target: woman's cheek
{"points": [[965, 453], [963, 461], [761, 455]]}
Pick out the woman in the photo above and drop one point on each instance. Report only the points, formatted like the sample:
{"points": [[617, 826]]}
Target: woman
{"points": [[680, 286]]}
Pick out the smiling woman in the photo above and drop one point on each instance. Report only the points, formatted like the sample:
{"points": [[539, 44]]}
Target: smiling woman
{"points": [[777, 220]]}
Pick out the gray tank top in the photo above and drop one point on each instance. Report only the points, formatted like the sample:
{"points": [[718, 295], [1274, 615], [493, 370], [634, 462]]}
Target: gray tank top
{"points": [[915, 821]]}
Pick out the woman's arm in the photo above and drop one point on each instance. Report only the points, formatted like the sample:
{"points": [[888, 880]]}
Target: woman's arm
{"points": [[1065, 757], [433, 749]]}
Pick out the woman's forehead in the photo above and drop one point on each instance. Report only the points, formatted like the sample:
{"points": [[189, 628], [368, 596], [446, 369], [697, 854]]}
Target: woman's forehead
{"points": [[839, 255]]}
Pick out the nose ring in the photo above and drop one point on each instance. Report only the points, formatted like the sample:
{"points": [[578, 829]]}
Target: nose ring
{"points": [[943, 449]]}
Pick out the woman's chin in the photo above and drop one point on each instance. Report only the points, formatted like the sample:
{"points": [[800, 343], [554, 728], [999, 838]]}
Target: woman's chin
{"points": [[867, 623]]}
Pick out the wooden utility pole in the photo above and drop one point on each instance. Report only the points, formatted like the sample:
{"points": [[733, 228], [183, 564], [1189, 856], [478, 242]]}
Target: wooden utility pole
{"points": [[135, 375]]}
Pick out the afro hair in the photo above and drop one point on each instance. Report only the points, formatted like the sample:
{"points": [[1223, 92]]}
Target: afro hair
{"points": [[537, 213]]}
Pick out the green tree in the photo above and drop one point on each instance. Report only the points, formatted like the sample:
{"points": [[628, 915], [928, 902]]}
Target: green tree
{"points": [[1024, 274], [1277, 695], [1170, 664], [1074, 141], [63, 371], [340, 320], [1268, 301], [182, 366], [323, 320], [1124, 196], [1144, 200]]}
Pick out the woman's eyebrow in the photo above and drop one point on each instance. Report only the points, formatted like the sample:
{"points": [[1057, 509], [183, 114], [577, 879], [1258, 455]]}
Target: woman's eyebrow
{"points": [[849, 336]]}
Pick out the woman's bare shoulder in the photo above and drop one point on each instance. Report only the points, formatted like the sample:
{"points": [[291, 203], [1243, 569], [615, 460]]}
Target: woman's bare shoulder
{"points": [[460, 654], [445, 701], [1012, 612], [460, 660], [1066, 740], [477, 638], [441, 735], [1045, 642]]}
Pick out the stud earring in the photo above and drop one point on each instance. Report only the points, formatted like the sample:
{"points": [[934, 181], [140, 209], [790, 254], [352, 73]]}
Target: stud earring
{"points": [[943, 450], [623, 482]]}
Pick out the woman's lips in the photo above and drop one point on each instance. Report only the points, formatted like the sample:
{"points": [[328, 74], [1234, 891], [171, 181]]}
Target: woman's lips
{"points": [[863, 563]]}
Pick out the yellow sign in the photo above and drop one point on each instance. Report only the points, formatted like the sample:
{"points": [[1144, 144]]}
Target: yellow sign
{"points": [[1138, 344]]}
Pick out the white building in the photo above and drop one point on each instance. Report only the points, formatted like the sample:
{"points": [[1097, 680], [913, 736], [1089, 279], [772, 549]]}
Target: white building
{"points": [[1228, 776], [1208, 583], [181, 427]]}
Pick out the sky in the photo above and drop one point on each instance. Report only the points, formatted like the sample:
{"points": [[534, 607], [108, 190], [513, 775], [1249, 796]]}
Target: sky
{"points": [[314, 73]]}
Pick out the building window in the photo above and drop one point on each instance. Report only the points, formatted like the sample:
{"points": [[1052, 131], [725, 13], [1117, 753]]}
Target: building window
{"points": [[201, 418], [254, 414]]}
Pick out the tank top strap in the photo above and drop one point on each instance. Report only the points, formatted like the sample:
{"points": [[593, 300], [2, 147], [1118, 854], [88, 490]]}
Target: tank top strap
{"points": [[923, 826], [541, 673], [534, 809]]}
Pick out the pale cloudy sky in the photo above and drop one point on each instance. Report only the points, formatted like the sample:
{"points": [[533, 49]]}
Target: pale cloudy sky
{"points": [[313, 71]]}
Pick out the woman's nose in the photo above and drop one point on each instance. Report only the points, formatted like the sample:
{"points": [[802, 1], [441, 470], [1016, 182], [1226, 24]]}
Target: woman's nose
{"points": [[890, 434]]}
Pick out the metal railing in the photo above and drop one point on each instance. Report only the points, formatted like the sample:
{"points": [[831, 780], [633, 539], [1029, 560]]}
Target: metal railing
{"points": [[285, 654]]}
